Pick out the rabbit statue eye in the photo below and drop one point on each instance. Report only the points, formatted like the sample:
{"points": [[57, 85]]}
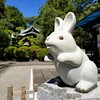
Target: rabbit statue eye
{"points": [[61, 37]]}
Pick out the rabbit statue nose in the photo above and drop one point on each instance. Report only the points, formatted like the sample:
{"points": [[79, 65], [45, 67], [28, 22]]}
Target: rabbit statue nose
{"points": [[47, 38]]}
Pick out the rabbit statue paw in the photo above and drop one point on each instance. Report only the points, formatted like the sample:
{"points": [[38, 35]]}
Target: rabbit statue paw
{"points": [[72, 64], [85, 86]]}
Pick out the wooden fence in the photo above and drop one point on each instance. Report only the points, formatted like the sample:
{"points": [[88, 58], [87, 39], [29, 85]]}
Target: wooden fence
{"points": [[10, 93]]}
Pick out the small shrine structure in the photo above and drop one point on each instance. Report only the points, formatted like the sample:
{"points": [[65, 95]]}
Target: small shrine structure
{"points": [[30, 31]]}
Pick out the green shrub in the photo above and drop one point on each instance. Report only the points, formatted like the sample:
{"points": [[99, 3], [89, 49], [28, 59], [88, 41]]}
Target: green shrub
{"points": [[31, 40], [26, 49], [33, 52], [9, 52], [39, 40], [41, 53], [4, 39], [22, 53]]}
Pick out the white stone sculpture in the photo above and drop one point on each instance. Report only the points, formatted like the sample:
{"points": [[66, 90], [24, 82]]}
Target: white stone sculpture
{"points": [[72, 64]]}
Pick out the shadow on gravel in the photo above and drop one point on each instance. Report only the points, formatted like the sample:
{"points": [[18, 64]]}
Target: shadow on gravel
{"points": [[4, 66]]}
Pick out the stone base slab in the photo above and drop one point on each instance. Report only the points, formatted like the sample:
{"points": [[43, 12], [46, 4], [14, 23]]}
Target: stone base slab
{"points": [[48, 91]]}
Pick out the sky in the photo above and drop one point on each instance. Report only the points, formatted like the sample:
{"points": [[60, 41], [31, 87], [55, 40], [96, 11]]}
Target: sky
{"points": [[28, 8]]}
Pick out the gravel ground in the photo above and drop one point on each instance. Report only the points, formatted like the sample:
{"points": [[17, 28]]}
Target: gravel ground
{"points": [[7, 64]]}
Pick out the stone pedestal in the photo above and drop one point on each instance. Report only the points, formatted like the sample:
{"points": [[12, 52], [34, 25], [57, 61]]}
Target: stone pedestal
{"points": [[48, 91]]}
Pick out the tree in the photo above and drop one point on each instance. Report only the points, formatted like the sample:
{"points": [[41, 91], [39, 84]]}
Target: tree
{"points": [[30, 20], [39, 40], [91, 8], [80, 36], [4, 34], [2, 7], [10, 18], [14, 18], [48, 12], [4, 39]]}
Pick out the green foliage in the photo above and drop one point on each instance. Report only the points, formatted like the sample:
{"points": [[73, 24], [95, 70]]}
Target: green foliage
{"points": [[19, 28], [41, 53], [87, 10], [46, 20], [30, 20], [20, 42], [9, 52], [48, 12], [22, 53], [4, 39], [39, 40], [33, 52], [10, 18], [31, 40], [80, 36], [2, 7], [14, 18]]}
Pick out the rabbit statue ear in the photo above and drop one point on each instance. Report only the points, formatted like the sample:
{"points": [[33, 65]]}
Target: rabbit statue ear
{"points": [[58, 23], [69, 22]]}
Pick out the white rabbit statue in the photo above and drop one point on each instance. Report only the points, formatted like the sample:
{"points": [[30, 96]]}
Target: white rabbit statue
{"points": [[72, 64]]}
